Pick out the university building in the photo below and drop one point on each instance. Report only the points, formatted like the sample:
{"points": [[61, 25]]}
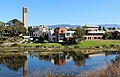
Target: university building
{"points": [[93, 32], [54, 35]]}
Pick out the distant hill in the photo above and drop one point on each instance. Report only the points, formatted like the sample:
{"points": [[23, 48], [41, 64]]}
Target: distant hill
{"points": [[63, 25], [74, 26], [110, 25]]}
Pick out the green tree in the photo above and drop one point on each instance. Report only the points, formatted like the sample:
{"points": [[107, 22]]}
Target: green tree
{"points": [[113, 28], [17, 27], [104, 28], [2, 23], [30, 31], [106, 36], [2, 27], [79, 34], [15, 22]]}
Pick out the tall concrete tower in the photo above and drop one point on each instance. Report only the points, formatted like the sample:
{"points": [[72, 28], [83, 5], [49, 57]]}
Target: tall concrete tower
{"points": [[25, 17]]}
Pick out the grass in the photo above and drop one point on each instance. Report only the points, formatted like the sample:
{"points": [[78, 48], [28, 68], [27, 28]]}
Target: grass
{"points": [[94, 43], [41, 44], [86, 43]]}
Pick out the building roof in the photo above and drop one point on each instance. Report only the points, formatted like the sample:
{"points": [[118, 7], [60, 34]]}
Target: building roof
{"points": [[96, 32], [89, 25]]}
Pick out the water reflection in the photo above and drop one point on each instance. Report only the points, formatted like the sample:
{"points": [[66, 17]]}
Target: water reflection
{"points": [[16, 62], [61, 58]]}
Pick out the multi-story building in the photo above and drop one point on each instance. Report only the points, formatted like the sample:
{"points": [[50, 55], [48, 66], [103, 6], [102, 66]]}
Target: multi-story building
{"points": [[69, 34], [54, 35], [62, 34], [93, 32], [40, 30], [51, 35]]}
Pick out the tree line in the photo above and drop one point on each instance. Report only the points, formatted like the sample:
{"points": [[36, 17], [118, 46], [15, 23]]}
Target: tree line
{"points": [[12, 28]]}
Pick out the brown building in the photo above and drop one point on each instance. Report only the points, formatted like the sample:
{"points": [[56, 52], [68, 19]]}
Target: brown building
{"points": [[60, 34], [25, 18]]}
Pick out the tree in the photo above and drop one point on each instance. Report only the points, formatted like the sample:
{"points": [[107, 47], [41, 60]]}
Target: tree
{"points": [[17, 27], [113, 28], [71, 41], [2, 27], [99, 28], [104, 29], [13, 62], [15, 22], [30, 31], [2, 23], [106, 36], [116, 35], [79, 34]]}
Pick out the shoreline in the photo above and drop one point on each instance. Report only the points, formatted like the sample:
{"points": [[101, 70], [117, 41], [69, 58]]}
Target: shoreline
{"points": [[63, 49]]}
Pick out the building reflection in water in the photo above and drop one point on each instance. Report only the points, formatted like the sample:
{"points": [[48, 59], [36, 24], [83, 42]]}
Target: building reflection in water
{"points": [[17, 61], [62, 58]]}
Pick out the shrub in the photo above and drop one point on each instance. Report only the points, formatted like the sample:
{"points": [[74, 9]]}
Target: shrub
{"points": [[76, 46], [104, 45], [1, 42], [97, 46], [15, 44], [112, 45]]}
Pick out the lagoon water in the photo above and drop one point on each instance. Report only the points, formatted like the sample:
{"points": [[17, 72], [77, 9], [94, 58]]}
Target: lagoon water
{"points": [[39, 64]]}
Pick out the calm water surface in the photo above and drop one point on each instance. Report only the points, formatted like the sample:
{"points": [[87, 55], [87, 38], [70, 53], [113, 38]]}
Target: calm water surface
{"points": [[30, 64]]}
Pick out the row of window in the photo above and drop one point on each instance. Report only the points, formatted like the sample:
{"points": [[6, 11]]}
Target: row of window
{"points": [[93, 38], [35, 34]]}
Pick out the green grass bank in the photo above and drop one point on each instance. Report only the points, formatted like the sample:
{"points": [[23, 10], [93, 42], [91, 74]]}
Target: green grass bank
{"points": [[87, 43], [93, 43], [40, 45]]}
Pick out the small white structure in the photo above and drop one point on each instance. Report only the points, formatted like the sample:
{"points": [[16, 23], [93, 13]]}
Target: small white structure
{"points": [[36, 34], [27, 38], [51, 35], [69, 34]]}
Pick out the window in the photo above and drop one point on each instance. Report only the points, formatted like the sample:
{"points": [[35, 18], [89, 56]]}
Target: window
{"points": [[53, 38], [67, 34], [53, 34], [62, 36]]}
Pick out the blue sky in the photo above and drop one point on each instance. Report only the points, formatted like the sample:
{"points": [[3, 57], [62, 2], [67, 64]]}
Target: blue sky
{"points": [[49, 12]]}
